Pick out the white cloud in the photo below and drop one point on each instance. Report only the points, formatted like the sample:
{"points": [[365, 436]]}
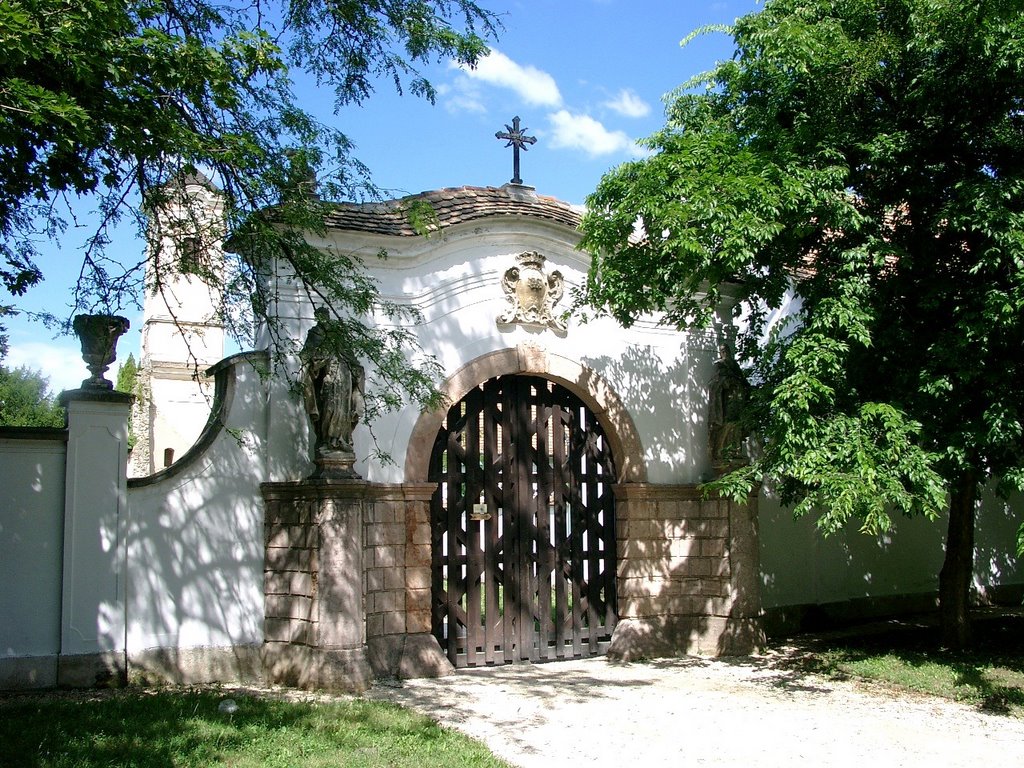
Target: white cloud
{"points": [[569, 131], [461, 96], [61, 363], [534, 86], [629, 104]]}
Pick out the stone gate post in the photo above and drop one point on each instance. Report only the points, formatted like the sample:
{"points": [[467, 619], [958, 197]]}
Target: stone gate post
{"points": [[688, 573], [92, 627]]}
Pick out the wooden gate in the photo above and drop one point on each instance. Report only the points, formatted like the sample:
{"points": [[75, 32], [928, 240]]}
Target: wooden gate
{"points": [[523, 526]]}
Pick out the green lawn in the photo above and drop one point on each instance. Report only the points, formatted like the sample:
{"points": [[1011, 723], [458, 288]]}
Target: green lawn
{"points": [[185, 728], [989, 676]]}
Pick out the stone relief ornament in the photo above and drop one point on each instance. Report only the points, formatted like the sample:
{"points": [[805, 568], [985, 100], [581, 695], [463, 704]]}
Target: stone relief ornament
{"points": [[531, 294]]}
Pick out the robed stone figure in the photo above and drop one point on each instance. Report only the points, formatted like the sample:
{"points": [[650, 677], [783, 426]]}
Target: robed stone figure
{"points": [[728, 393], [333, 386]]}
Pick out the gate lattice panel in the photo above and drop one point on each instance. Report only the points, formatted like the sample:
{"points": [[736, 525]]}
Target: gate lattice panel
{"points": [[523, 526]]}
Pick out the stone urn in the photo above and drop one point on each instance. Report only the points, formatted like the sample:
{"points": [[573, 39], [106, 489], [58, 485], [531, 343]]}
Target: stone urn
{"points": [[98, 335]]}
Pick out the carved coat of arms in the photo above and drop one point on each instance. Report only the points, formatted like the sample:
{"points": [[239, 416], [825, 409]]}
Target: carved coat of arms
{"points": [[531, 294]]}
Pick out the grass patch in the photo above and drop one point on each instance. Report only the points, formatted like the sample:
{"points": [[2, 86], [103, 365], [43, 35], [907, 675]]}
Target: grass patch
{"points": [[989, 676], [185, 728]]}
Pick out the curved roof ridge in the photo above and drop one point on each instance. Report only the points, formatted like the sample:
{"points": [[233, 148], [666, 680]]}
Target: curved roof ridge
{"points": [[452, 205]]}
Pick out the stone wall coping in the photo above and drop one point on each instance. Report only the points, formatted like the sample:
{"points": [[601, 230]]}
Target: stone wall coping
{"points": [[96, 395], [54, 434], [337, 488], [224, 377], [664, 492]]}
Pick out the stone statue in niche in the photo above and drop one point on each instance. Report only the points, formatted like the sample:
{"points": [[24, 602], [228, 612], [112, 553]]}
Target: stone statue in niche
{"points": [[333, 387], [531, 294], [728, 394]]}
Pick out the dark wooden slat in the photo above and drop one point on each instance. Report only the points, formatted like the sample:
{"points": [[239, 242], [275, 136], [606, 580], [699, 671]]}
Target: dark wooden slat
{"points": [[510, 528], [493, 496], [474, 556], [523, 509], [576, 521], [594, 615], [545, 555], [559, 541]]}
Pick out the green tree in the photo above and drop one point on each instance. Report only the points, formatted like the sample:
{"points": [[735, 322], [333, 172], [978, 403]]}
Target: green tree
{"points": [[869, 156], [128, 381], [127, 375], [25, 399], [106, 103]]}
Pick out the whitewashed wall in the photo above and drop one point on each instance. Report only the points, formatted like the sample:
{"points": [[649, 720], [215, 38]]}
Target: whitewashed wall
{"points": [[195, 543], [799, 566], [31, 547], [454, 280]]}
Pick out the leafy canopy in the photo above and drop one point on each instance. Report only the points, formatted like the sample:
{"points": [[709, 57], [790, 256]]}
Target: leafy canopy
{"points": [[26, 401], [105, 103], [869, 156]]}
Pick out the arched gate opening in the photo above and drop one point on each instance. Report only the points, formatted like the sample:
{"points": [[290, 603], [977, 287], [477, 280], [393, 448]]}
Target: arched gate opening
{"points": [[522, 526]]}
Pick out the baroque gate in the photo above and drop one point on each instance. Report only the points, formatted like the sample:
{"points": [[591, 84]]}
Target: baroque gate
{"points": [[522, 526]]}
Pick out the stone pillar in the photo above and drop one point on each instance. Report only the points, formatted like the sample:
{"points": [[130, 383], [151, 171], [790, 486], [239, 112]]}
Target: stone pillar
{"points": [[347, 584], [688, 573], [315, 631], [92, 644], [398, 588]]}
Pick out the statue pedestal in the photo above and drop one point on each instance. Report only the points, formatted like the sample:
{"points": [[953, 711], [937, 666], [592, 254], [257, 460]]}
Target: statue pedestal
{"points": [[347, 584], [334, 466], [314, 631]]}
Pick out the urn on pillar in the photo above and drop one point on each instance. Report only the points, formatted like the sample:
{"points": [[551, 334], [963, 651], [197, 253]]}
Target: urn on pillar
{"points": [[98, 335]]}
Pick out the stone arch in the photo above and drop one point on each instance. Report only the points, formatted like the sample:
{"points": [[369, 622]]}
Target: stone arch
{"points": [[596, 393]]}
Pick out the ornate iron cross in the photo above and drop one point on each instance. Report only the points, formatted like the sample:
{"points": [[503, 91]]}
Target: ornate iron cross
{"points": [[517, 140]]}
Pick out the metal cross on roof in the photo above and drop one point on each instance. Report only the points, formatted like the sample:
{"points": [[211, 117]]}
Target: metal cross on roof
{"points": [[517, 140]]}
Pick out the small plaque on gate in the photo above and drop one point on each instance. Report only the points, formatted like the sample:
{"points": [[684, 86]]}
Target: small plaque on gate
{"points": [[480, 512]]}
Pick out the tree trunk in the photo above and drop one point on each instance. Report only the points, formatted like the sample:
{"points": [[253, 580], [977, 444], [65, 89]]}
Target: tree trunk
{"points": [[958, 567]]}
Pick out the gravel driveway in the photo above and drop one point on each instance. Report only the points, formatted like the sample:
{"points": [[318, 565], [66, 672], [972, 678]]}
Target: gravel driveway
{"points": [[756, 712]]}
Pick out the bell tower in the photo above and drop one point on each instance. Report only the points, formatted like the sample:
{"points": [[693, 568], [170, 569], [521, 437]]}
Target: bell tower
{"points": [[182, 333]]}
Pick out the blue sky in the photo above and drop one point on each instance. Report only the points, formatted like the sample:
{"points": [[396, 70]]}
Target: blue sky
{"points": [[586, 77]]}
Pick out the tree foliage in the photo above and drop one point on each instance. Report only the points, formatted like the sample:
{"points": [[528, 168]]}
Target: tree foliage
{"points": [[127, 375], [25, 399], [127, 381], [106, 103], [868, 155]]}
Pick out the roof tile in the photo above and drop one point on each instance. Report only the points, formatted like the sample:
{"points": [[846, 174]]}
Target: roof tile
{"points": [[453, 205]]}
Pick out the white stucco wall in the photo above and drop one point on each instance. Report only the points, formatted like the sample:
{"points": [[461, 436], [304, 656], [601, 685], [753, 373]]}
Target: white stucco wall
{"points": [[195, 536], [800, 566], [454, 280], [32, 545]]}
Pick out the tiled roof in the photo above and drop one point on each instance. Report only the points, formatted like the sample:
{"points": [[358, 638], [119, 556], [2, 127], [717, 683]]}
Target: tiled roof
{"points": [[455, 205]]}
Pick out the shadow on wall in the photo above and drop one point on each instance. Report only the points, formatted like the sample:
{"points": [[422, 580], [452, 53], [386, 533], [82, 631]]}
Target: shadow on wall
{"points": [[809, 580], [195, 545], [688, 574], [998, 570], [32, 471], [667, 403]]}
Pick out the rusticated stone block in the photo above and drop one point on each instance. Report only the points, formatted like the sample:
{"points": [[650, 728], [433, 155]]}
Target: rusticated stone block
{"points": [[394, 578], [418, 577], [417, 621], [287, 630], [288, 559], [394, 623]]}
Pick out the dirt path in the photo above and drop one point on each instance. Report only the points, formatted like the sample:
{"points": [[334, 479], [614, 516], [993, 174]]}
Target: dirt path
{"points": [[756, 712]]}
